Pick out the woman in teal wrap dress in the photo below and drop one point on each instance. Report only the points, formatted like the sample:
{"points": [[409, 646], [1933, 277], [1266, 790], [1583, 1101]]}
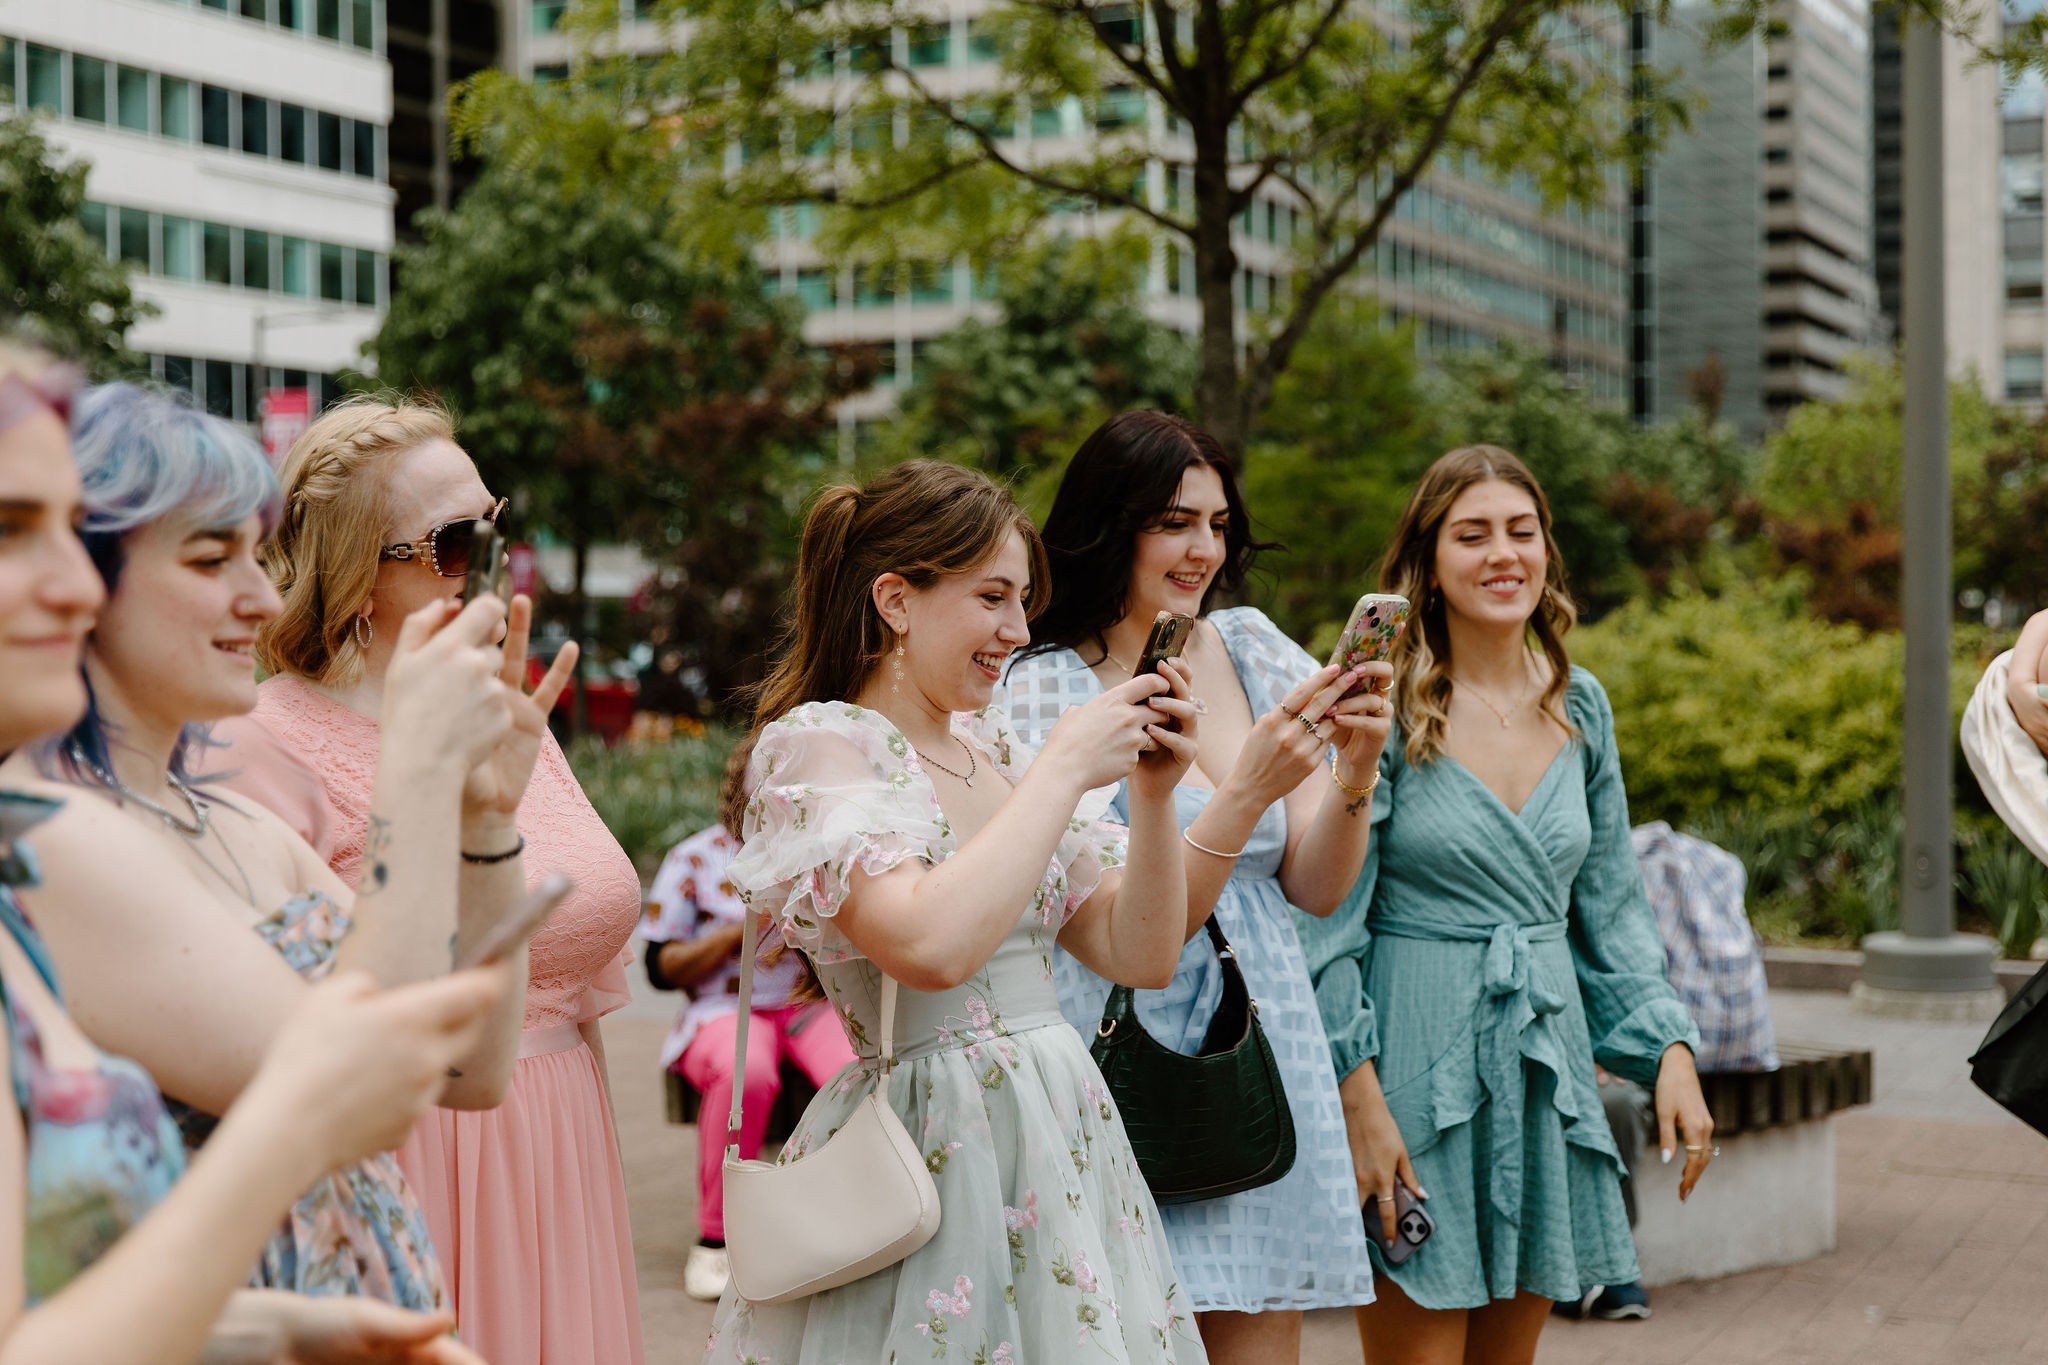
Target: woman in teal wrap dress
{"points": [[1497, 944]]}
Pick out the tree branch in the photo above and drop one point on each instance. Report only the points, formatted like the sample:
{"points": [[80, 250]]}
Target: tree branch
{"points": [[1275, 71], [1258, 383], [1137, 66]]}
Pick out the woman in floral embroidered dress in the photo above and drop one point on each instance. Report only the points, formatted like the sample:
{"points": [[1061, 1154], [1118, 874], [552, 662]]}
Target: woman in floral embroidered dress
{"points": [[891, 825]]}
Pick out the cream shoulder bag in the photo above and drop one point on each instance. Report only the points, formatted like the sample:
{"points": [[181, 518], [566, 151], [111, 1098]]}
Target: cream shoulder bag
{"points": [[861, 1202]]}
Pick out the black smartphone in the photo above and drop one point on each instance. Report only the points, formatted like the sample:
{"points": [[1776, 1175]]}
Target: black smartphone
{"points": [[504, 937], [1412, 1225], [486, 564]]}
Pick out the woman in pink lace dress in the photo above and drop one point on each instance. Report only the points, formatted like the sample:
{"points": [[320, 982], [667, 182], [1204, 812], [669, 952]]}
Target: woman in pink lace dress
{"points": [[526, 1203]]}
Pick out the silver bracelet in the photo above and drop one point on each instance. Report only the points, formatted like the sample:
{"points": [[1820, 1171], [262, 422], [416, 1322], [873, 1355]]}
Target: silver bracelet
{"points": [[1204, 848]]}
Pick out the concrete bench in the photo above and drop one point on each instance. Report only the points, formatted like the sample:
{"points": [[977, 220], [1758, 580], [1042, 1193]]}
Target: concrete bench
{"points": [[1769, 1198]]}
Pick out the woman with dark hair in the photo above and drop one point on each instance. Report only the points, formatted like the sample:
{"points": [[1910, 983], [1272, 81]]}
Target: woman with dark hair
{"points": [[1148, 518], [1498, 944], [896, 829]]}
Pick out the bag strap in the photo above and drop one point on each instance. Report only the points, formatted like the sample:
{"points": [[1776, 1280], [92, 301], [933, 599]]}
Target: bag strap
{"points": [[750, 936]]}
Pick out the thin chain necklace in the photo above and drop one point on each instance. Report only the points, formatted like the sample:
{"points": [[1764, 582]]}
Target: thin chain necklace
{"points": [[193, 832], [972, 765], [1506, 717]]}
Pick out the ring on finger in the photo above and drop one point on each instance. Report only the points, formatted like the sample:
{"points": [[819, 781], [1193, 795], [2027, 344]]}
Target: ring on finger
{"points": [[1307, 724], [1385, 1198]]}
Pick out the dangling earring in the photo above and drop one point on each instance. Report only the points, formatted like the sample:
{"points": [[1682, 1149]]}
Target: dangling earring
{"points": [[896, 666], [363, 631]]}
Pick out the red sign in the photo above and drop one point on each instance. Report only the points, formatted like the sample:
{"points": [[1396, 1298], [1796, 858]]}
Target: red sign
{"points": [[522, 568], [286, 415]]}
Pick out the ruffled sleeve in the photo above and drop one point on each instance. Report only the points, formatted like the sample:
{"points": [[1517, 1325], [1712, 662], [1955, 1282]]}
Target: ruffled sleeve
{"points": [[1631, 1010], [1338, 948], [832, 791], [1092, 844]]}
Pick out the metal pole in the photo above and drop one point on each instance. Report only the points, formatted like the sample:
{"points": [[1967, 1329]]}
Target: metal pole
{"points": [[1928, 956]]}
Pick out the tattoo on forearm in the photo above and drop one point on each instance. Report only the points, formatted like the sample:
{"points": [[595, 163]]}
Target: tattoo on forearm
{"points": [[376, 871], [1358, 803]]}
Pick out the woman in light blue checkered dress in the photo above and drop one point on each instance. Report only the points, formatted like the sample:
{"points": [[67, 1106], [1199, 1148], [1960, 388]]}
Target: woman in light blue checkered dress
{"points": [[1148, 518]]}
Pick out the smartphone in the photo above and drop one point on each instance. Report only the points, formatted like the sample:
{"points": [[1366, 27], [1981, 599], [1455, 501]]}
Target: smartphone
{"points": [[1170, 633], [486, 564], [1412, 1225], [1376, 622], [508, 933]]}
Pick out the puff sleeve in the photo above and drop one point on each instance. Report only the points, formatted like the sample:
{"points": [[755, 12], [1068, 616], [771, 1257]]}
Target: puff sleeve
{"points": [[830, 792]]}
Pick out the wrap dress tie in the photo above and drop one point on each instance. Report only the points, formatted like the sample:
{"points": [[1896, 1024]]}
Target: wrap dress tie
{"points": [[1485, 959]]}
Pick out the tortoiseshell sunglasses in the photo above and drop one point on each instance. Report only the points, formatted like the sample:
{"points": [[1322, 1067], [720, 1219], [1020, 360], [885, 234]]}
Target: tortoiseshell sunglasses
{"points": [[445, 548]]}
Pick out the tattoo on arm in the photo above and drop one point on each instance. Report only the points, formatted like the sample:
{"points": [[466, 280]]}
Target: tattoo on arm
{"points": [[1357, 804], [376, 871]]}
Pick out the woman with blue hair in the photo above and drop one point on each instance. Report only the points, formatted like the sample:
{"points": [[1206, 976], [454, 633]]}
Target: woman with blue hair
{"points": [[110, 1249], [177, 505]]}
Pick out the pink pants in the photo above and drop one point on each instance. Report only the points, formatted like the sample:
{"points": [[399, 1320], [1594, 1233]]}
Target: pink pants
{"points": [[807, 1035]]}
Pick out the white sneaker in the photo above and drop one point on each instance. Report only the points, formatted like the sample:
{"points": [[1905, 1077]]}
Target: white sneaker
{"points": [[706, 1273]]}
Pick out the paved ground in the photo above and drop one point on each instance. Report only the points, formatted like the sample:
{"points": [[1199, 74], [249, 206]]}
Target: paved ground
{"points": [[1943, 1225]]}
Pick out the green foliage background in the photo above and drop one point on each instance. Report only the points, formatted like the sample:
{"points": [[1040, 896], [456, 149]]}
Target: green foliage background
{"points": [[53, 276]]}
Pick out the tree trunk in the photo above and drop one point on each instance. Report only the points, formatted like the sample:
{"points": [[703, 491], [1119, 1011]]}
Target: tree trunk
{"points": [[1219, 405], [579, 612]]}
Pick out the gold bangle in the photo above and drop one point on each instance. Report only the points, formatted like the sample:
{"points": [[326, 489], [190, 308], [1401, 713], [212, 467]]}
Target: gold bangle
{"points": [[1204, 848], [1355, 793]]}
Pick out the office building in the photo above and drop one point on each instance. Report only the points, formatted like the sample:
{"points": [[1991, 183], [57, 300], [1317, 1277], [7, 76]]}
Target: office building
{"points": [[238, 160], [1470, 261]]}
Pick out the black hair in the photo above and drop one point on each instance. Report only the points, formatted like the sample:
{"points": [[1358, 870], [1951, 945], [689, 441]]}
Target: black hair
{"points": [[1119, 483]]}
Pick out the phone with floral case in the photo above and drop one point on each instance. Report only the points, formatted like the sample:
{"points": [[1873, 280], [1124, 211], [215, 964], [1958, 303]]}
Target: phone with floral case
{"points": [[1376, 622]]}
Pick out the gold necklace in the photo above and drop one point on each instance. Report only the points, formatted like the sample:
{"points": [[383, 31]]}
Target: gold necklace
{"points": [[1505, 716]]}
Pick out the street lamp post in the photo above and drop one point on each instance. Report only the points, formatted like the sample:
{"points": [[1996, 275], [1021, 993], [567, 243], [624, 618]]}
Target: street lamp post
{"points": [[1926, 968]]}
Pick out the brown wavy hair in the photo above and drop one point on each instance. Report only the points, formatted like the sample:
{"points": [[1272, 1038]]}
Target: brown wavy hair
{"points": [[921, 519], [1422, 655], [337, 512]]}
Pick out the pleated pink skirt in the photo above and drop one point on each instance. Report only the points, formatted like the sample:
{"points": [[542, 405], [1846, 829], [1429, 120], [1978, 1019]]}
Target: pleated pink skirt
{"points": [[527, 1206]]}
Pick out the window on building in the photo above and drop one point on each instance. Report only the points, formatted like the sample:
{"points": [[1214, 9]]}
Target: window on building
{"points": [[180, 248], [817, 289], [222, 5], [364, 161], [93, 218], [291, 133], [2023, 137], [981, 41], [45, 70], [2023, 235], [327, 141], [298, 267], [327, 18], [7, 94], [174, 114], [547, 15], [331, 284], [1121, 24], [549, 74], [215, 116], [2023, 282], [2023, 374], [131, 99], [363, 24], [178, 372], [134, 237], [218, 242], [369, 269], [1119, 107], [258, 10], [931, 283], [255, 259], [88, 89], [217, 388], [292, 14], [255, 125], [931, 45]]}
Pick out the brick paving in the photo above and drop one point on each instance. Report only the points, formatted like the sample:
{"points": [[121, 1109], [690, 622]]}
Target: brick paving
{"points": [[1943, 1226]]}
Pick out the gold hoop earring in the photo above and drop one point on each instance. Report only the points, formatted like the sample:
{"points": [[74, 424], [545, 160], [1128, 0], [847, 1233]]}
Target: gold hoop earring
{"points": [[364, 632]]}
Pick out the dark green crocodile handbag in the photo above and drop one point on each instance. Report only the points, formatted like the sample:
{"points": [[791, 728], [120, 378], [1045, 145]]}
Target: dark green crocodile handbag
{"points": [[1207, 1125]]}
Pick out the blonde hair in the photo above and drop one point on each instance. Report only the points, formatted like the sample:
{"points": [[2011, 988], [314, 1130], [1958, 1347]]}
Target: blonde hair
{"points": [[337, 511], [19, 360], [1422, 654]]}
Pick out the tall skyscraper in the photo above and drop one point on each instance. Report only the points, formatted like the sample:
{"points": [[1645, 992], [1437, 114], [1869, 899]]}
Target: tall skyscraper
{"points": [[238, 161]]}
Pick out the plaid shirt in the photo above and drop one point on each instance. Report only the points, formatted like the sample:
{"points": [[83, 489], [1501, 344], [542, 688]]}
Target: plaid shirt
{"points": [[1711, 954]]}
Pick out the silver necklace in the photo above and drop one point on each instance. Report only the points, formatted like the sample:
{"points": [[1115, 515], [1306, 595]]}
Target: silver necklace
{"points": [[194, 832], [972, 765]]}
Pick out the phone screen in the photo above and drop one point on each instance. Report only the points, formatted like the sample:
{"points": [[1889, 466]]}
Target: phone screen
{"points": [[486, 564]]}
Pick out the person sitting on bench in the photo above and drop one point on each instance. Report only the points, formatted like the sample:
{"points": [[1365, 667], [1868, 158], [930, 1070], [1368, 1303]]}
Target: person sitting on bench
{"points": [[692, 928]]}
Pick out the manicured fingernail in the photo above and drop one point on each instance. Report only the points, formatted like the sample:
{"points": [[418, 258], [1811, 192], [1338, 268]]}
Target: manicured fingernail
{"points": [[1667, 1156]]}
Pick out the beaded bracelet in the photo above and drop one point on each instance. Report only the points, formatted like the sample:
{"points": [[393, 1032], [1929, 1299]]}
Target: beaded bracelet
{"points": [[486, 859], [1355, 793]]}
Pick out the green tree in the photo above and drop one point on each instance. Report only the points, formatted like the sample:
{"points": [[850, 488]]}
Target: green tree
{"points": [[627, 391], [1331, 465], [1014, 395], [1182, 117], [52, 273]]}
